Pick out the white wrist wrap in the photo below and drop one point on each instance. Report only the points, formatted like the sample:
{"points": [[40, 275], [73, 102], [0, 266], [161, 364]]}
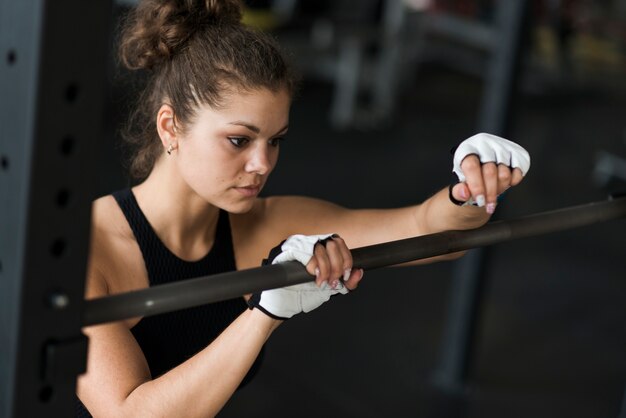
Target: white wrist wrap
{"points": [[292, 300], [491, 148]]}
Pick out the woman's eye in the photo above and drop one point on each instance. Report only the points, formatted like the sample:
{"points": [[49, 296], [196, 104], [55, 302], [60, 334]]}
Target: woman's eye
{"points": [[238, 141], [277, 140]]}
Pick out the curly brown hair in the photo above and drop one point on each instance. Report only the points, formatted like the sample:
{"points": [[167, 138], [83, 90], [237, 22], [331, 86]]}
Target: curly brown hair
{"points": [[193, 51]]}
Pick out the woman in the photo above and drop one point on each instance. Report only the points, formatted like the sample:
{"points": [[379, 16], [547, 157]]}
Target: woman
{"points": [[207, 133]]}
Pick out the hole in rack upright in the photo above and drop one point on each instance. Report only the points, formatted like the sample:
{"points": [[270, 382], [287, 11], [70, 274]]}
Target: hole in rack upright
{"points": [[71, 92], [67, 145], [63, 198], [11, 57], [57, 249]]}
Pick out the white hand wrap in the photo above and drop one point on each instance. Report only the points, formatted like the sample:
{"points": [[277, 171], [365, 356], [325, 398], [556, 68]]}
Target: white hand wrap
{"points": [[491, 148], [288, 301], [299, 248]]}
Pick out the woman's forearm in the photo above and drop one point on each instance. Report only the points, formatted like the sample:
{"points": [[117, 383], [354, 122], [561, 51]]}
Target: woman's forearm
{"points": [[439, 214], [201, 386]]}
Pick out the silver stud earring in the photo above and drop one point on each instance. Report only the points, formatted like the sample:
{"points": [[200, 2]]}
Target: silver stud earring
{"points": [[170, 149]]}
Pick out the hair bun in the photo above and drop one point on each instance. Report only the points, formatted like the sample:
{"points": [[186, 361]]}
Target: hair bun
{"points": [[216, 11], [156, 29]]}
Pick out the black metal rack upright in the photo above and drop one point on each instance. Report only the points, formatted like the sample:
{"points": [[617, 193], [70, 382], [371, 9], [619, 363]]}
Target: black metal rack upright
{"points": [[460, 333], [52, 72]]}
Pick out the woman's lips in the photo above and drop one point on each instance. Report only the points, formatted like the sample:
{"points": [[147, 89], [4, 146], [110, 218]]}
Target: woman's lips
{"points": [[249, 191]]}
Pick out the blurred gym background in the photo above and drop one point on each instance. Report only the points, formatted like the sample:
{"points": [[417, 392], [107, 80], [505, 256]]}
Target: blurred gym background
{"points": [[389, 86]]}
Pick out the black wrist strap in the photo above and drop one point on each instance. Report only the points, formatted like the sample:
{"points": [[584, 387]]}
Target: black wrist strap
{"points": [[253, 303], [451, 197], [454, 180]]}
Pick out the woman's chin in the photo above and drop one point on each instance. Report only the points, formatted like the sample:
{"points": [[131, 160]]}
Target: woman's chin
{"points": [[239, 208]]}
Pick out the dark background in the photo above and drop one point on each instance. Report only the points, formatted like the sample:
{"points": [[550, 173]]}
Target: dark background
{"points": [[551, 339]]}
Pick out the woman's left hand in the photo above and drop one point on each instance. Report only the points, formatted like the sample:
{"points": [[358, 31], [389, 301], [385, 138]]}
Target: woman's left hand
{"points": [[486, 166]]}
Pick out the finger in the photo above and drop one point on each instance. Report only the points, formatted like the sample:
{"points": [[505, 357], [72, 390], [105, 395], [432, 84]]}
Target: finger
{"points": [[346, 255], [319, 265], [336, 263], [312, 267], [490, 180], [516, 177], [504, 178], [354, 279], [474, 178]]}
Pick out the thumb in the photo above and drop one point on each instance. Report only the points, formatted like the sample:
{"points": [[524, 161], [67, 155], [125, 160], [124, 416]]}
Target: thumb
{"points": [[461, 192]]}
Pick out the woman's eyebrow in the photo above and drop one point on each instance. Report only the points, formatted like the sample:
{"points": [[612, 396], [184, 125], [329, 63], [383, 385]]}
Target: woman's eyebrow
{"points": [[282, 130], [254, 128]]}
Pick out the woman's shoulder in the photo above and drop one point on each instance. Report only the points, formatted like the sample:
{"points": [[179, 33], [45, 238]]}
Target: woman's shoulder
{"points": [[113, 248], [270, 209], [297, 206], [108, 221], [280, 215]]}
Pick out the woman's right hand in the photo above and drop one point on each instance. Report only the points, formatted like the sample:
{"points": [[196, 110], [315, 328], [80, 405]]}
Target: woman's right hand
{"points": [[326, 257]]}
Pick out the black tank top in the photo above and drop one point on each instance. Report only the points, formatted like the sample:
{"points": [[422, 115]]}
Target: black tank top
{"points": [[169, 339]]}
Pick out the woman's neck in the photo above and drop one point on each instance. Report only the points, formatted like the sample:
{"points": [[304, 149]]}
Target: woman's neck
{"points": [[184, 222]]}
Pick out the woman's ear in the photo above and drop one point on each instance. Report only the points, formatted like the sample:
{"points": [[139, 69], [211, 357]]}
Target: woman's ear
{"points": [[166, 127]]}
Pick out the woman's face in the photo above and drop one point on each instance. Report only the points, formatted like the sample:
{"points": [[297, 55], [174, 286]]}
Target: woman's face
{"points": [[227, 154]]}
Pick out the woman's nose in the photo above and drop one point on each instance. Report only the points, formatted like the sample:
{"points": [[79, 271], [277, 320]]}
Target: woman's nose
{"points": [[259, 161]]}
